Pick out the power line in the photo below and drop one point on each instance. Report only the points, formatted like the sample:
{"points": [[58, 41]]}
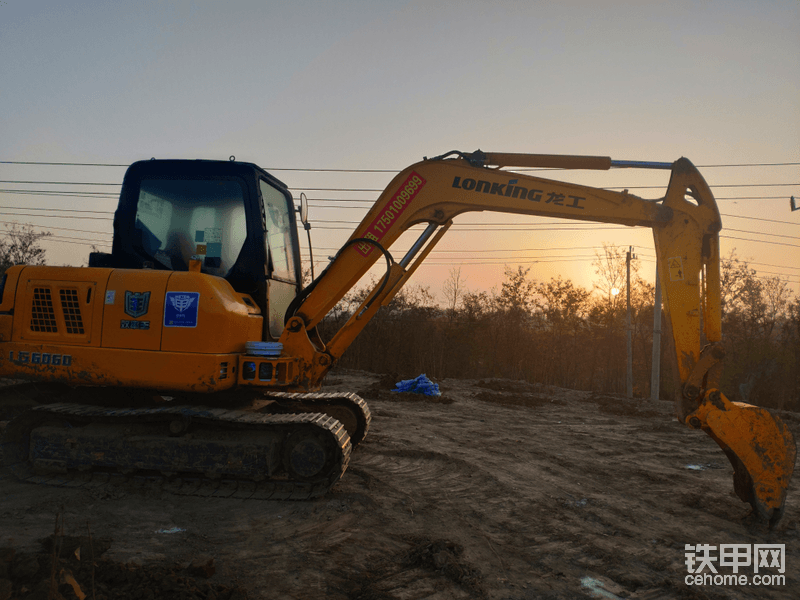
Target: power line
{"points": [[60, 164], [60, 182], [542, 227], [115, 195], [65, 237], [791, 237], [473, 260], [617, 187], [487, 227], [467, 258], [99, 212], [68, 240], [326, 170], [730, 237], [759, 219], [102, 195], [464, 261], [56, 216], [66, 193], [789, 278], [595, 228], [377, 190], [784, 164], [85, 243], [49, 227], [716, 198], [736, 185], [499, 259], [641, 254]]}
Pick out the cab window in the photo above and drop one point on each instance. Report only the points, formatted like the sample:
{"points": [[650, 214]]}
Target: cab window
{"points": [[279, 233], [181, 219]]}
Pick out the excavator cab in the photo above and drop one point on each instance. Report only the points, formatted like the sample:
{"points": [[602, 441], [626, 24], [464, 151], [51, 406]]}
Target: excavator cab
{"points": [[235, 219]]}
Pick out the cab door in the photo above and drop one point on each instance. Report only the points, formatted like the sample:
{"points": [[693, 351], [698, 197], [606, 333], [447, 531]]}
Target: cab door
{"points": [[283, 252]]}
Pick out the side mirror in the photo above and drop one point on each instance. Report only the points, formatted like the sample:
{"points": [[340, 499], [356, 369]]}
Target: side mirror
{"points": [[303, 210]]}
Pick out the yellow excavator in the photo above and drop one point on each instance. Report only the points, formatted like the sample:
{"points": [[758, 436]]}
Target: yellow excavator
{"points": [[190, 354]]}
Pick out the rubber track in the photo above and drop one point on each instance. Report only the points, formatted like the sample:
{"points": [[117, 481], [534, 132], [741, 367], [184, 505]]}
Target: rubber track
{"points": [[180, 484], [348, 399]]}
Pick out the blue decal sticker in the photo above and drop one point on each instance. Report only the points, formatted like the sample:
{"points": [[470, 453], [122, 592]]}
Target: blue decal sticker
{"points": [[180, 309], [136, 303]]}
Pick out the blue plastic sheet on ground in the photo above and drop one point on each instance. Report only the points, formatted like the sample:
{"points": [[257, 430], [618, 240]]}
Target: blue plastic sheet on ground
{"points": [[418, 385]]}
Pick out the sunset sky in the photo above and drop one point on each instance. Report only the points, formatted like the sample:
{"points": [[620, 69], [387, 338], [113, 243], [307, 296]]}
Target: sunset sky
{"points": [[378, 85]]}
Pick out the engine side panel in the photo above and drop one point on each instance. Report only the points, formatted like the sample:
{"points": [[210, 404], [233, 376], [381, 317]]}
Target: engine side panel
{"points": [[140, 328], [58, 305], [133, 305], [204, 314]]}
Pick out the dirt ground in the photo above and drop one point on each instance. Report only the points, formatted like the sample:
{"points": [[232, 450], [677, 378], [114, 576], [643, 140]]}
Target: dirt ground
{"points": [[498, 490]]}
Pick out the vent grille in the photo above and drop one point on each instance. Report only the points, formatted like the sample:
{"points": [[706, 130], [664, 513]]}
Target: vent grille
{"points": [[72, 311], [43, 317]]}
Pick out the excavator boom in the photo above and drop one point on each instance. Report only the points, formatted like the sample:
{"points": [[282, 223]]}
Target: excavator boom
{"points": [[685, 224]]}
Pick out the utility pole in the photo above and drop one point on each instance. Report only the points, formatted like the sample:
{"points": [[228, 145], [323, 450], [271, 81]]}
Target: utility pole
{"points": [[628, 324], [655, 373]]}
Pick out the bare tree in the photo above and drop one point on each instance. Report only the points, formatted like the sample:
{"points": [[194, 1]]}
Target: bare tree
{"points": [[20, 246], [610, 267], [737, 281], [776, 297], [453, 290]]}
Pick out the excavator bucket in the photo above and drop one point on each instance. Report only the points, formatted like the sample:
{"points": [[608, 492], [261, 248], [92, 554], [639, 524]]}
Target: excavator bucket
{"points": [[760, 447]]}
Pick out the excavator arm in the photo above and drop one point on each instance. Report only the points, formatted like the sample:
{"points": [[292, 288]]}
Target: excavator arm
{"points": [[685, 224]]}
